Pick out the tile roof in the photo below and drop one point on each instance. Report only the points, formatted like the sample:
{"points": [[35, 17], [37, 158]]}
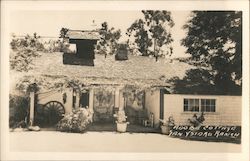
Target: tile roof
{"points": [[137, 70], [83, 34]]}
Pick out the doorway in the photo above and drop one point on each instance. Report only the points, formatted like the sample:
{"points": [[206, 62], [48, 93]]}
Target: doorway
{"points": [[104, 101], [84, 99]]}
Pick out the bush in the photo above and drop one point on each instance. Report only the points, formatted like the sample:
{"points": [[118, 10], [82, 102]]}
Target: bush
{"points": [[33, 41], [77, 121], [56, 46], [18, 109]]}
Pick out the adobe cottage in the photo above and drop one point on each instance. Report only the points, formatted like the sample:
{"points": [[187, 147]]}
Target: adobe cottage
{"points": [[135, 85], [85, 42]]}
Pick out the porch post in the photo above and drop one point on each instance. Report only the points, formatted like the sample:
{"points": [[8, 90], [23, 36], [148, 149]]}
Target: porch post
{"points": [[78, 99], [121, 101], [117, 97], [91, 99], [32, 107]]}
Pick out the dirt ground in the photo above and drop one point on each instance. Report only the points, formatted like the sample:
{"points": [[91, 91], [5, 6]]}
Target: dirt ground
{"points": [[52, 141]]}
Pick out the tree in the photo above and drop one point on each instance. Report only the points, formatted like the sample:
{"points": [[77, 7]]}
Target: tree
{"points": [[214, 40], [196, 81], [63, 32], [153, 31], [109, 40], [141, 36]]}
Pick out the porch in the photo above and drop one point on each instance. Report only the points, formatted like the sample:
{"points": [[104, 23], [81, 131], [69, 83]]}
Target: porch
{"points": [[105, 102], [111, 127], [131, 128]]}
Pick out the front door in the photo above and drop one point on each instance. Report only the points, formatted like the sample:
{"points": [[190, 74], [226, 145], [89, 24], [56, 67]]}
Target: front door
{"points": [[84, 99]]}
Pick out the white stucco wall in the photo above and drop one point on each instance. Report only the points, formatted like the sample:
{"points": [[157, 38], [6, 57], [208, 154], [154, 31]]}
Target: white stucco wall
{"points": [[57, 96], [228, 109], [152, 104]]}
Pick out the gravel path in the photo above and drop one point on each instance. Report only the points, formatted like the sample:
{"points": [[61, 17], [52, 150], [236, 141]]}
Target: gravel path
{"points": [[51, 141]]}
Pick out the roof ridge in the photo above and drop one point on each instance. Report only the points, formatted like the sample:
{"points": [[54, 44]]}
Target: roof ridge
{"points": [[83, 30]]}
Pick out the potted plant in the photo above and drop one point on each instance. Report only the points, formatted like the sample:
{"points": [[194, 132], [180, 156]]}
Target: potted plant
{"points": [[121, 123], [167, 125]]}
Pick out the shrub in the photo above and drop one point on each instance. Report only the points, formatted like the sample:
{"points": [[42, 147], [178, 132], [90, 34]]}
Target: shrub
{"points": [[196, 121], [76, 121], [56, 46], [18, 109], [32, 41]]}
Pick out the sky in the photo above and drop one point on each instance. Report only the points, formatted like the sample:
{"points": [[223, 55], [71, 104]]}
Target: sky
{"points": [[49, 23]]}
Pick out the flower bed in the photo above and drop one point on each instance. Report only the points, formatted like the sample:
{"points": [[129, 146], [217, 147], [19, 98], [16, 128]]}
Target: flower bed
{"points": [[77, 121]]}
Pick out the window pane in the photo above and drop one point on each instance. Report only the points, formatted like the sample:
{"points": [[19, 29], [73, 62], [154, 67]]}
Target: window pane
{"points": [[208, 105], [196, 102], [191, 102], [213, 102], [207, 108], [212, 108], [191, 108], [185, 107], [202, 108], [207, 102], [202, 102], [185, 101], [191, 105]]}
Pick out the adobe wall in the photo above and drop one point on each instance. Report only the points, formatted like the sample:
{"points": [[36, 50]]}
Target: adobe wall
{"points": [[228, 109]]}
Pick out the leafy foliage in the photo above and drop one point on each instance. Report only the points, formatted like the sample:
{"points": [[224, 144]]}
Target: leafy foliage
{"points": [[109, 40], [18, 109], [196, 81], [120, 116], [25, 49], [56, 46], [77, 121], [197, 121], [169, 122], [63, 32], [153, 29], [214, 42]]}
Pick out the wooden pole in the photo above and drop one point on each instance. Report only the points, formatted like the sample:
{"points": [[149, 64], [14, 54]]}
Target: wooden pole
{"points": [[121, 101], [117, 97], [91, 99], [32, 107]]}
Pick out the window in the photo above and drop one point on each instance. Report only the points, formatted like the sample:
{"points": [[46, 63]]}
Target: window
{"points": [[207, 105], [191, 105], [199, 105]]}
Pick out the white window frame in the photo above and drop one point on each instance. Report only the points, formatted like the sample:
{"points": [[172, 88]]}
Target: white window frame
{"points": [[199, 107]]}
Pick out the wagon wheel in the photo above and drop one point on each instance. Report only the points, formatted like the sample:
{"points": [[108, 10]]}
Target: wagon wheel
{"points": [[53, 112]]}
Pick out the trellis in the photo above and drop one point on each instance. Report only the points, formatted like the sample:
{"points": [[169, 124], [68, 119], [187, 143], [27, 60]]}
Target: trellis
{"points": [[60, 83]]}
